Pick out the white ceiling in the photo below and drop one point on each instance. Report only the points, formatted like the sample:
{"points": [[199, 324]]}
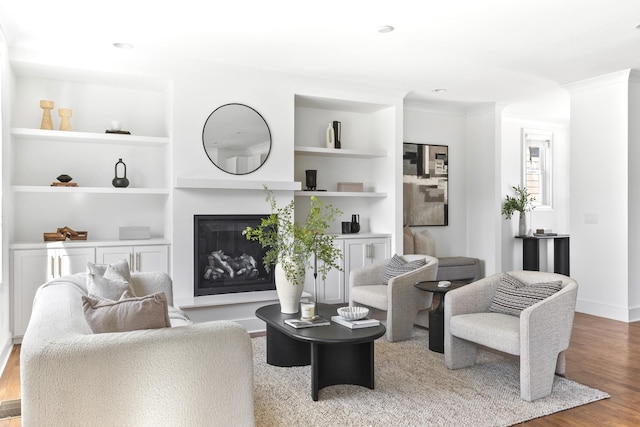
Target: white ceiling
{"points": [[507, 51]]}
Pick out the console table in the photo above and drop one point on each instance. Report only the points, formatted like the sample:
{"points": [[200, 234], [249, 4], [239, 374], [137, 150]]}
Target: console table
{"points": [[531, 252]]}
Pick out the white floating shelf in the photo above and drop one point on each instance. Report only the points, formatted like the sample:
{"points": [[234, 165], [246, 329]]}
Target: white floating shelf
{"points": [[340, 152], [97, 138], [232, 184], [90, 190], [340, 194]]}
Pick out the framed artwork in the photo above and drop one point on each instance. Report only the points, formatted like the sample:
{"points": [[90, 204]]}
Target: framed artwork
{"points": [[425, 184]]}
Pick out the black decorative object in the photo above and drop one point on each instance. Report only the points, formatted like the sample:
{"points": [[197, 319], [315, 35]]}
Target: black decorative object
{"points": [[337, 132], [346, 227], [355, 223], [64, 178], [311, 176], [120, 182]]}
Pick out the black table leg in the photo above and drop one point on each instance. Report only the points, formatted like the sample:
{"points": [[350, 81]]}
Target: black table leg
{"points": [[561, 255], [436, 327], [283, 350], [531, 254], [333, 364]]}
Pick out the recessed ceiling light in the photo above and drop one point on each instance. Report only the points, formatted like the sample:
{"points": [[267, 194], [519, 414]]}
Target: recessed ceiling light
{"points": [[440, 90], [123, 45], [385, 29]]}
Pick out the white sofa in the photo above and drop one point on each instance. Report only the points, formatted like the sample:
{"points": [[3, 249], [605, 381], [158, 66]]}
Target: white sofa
{"points": [[188, 375]]}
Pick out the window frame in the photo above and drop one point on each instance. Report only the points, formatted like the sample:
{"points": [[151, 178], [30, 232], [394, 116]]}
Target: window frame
{"points": [[544, 140]]}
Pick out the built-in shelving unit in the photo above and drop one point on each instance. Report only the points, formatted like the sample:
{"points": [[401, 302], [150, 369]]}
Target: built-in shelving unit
{"points": [[88, 153], [368, 134]]}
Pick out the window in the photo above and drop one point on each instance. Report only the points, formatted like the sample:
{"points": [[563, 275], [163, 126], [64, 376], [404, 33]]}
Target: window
{"points": [[536, 166]]}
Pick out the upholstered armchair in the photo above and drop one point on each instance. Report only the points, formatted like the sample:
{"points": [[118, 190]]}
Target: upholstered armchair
{"points": [[539, 335], [399, 298]]}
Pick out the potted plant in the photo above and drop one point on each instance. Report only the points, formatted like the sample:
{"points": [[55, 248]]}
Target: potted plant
{"points": [[522, 202], [295, 247]]}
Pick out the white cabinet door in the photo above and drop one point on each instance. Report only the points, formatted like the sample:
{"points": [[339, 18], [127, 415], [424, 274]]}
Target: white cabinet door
{"points": [[30, 270], [151, 258], [361, 252], [331, 290], [140, 258], [34, 267], [70, 260]]}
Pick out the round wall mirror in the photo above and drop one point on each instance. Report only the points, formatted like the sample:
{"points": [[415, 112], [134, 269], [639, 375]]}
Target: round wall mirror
{"points": [[236, 139]]}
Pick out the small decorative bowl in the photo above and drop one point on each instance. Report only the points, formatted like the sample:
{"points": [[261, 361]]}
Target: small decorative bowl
{"points": [[353, 313]]}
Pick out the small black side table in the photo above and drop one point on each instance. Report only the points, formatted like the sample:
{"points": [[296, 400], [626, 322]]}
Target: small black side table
{"points": [[531, 252], [436, 315]]}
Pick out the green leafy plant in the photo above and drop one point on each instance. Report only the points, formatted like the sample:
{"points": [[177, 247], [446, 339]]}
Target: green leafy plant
{"points": [[295, 245], [522, 202]]}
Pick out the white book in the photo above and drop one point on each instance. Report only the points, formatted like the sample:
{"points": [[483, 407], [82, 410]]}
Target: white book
{"points": [[355, 324]]}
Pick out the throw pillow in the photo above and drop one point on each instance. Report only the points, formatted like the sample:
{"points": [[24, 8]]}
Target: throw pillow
{"points": [[125, 295], [512, 296], [117, 269], [148, 312], [109, 281], [398, 266]]}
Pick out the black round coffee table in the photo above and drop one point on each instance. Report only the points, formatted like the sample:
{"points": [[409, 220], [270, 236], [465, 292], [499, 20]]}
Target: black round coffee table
{"points": [[436, 315], [337, 354]]}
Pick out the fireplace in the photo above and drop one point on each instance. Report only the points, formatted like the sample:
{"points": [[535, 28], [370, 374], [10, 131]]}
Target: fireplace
{"points": [[225, 261]]}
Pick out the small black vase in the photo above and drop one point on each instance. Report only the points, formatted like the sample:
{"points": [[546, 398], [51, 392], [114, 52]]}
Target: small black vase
{"points": [[355, 223], [120, 182], [311, 176]]}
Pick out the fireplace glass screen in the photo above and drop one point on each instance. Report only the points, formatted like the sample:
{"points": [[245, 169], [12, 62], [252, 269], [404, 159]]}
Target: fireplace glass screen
{"points": [[225, 261]]}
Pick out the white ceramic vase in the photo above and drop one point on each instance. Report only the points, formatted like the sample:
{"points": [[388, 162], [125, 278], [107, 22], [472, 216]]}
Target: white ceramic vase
{"points": [[288, 293]]}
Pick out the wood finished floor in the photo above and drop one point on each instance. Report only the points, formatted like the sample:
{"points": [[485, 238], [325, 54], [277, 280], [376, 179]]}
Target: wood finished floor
{"points": [[603, 354]]}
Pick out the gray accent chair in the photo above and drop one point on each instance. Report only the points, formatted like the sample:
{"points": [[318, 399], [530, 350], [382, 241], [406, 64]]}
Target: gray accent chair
{"points": [[399, 298], [539, 336]]}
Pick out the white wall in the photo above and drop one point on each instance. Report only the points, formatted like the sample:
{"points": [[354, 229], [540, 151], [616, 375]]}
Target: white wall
{"points": [[556, 218], [483, 163], [5, 294], [634, 198], [439, 125], [600, 188]]}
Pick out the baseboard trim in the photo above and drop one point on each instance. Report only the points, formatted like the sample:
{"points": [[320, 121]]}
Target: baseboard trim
{"points": [[603, 310]]}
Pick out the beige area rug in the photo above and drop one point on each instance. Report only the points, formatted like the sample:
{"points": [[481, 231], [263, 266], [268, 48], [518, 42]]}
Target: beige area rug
{"points": [[412, 388]]}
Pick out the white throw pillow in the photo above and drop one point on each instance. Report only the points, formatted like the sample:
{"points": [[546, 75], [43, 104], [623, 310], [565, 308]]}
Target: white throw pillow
{"points": [[119, 269], [110, 289], [109, 281]]}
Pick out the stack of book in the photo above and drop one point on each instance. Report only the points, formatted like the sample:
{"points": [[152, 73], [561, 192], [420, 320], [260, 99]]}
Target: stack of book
{"points": [[355, 324], [307, 323]]}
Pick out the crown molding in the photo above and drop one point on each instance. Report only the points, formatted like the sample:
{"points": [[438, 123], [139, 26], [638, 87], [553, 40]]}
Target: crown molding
{"points": [[618, 77]]}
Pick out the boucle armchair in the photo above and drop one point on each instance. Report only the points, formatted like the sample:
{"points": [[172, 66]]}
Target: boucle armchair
{"points": [[540, 335], [399, 298]]}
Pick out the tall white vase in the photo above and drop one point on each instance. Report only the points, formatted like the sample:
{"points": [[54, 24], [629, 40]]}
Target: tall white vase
{"points": [[288, 293]]}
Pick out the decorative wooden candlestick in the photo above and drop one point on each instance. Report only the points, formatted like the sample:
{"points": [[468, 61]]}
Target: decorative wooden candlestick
{"points": [[47, 106], [65, 114]]}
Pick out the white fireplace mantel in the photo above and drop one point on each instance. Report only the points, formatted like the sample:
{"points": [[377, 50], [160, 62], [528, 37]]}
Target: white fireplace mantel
{"points": [[233, 184]]}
